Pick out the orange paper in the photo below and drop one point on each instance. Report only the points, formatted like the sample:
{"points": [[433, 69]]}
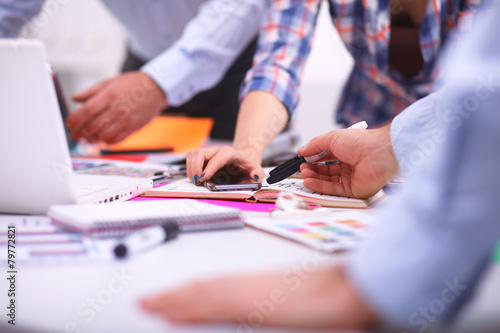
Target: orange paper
{"points": [[181, 133]]}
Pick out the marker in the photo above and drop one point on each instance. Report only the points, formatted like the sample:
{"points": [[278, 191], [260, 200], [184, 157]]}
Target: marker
{"points": [[292, 166], [146, 239]]}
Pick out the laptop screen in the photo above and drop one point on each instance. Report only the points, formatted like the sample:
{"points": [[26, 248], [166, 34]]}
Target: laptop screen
{"points": [[72, 145]]}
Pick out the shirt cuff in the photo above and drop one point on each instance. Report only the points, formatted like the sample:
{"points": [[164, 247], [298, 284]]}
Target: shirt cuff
{"points": [[277, 83], [173, 72], [416, 133]]}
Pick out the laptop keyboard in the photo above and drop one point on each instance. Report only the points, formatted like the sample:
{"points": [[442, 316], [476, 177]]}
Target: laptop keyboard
{"points": [[84, 190]]}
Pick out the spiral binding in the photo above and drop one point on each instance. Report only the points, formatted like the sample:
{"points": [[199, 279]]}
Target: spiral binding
{"points": [[202, 222]]}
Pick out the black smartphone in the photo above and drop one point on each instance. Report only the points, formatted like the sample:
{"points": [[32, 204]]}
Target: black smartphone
{"points": [[231, 181]]}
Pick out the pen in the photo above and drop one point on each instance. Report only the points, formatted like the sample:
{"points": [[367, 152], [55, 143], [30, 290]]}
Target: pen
{"points": [[292, 166], [136, 151], [145, 239]]}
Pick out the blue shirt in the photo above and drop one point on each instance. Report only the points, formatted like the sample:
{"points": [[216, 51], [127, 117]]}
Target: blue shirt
{"points": [[189, 44], [432, 246]]}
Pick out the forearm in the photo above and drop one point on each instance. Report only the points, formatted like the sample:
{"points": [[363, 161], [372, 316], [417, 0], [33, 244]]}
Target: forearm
{"points": [[261, 118], [348, 310]]}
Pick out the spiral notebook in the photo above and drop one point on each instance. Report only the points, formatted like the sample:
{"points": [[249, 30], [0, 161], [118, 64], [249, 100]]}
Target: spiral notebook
{"points": [[121, 218]]}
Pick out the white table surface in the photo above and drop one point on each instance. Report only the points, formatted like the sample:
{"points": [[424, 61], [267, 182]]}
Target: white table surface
{"points": [[49, 296]]}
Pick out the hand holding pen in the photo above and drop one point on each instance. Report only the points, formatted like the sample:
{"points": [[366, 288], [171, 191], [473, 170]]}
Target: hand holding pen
{"points": [[367, 162], [292, 166]]}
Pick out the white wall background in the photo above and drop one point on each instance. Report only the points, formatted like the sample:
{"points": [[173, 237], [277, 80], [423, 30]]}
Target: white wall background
{"points": [[85, 43]]}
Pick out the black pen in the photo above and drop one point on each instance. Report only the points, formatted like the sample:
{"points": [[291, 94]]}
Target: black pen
{"points": [[146, 239], [136, 151], [288, 168]]}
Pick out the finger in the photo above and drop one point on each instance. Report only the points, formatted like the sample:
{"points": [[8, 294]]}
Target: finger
{"points": [[309, 173], [82, 96], [97, 129], [325, 186], [322, 172], [258, 174], [192, 303], [89, 110], [117, 136], [195, 161], [219, 160], [317, 145], [198, 161]]}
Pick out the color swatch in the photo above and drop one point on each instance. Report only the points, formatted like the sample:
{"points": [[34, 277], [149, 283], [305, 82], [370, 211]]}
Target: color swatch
{"points": [[342, 230]]}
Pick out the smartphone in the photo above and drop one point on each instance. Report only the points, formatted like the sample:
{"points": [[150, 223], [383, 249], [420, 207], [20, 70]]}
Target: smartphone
{"points": [[225, 181]]}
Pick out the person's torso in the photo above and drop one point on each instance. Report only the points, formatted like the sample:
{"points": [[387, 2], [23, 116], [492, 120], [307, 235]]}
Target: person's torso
{"points": [[153, 25]]}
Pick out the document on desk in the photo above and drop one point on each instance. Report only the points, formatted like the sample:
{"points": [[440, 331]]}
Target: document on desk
{"points": [[338, 231], [35, 240], [184, 188]]}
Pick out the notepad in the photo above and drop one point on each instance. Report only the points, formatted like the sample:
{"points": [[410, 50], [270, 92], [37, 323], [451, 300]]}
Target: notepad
{"points": [[121, 218], [184, 188]]}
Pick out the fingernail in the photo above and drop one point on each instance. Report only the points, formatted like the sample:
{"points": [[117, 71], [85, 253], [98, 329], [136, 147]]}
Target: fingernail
{"points": [[300, 148], [196, 179], [202, 175], [256, 177]]}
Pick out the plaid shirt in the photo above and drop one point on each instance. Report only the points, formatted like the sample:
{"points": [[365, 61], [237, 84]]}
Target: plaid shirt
{"points": [[374, 92]]}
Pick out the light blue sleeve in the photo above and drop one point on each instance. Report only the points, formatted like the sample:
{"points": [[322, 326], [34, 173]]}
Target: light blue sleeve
{"points": [[14, 14], [430, 249], [211, 42]]}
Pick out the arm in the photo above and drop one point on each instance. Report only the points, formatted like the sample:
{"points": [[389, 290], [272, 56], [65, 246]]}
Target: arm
{"points": [[260, 119], [209, 45], [324, 299], [439, 235], [269, 92], [450, 204], [115, 108], [14, 14], [423, 260]]}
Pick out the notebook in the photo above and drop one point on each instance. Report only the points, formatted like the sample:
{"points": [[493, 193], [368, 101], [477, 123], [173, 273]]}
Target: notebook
{"points": [[121, 218], [184, 188], [36, 170]]}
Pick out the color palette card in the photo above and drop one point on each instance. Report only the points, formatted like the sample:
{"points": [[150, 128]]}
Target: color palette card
{"points": [[118, 168], [341, 230]]}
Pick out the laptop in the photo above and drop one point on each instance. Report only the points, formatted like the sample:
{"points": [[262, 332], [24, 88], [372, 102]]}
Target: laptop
{"points": [[35, 165]]}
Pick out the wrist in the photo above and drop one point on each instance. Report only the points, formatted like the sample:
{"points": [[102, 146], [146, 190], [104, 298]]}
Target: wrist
{"points": [[261, 118], [385, 149], [157, 96]]}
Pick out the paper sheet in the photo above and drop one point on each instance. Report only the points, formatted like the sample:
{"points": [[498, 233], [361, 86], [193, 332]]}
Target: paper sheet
{"points": [[341, 230], [180, 133], [40, 242]]}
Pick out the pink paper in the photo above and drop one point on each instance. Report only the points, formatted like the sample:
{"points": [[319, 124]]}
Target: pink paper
{"points": [[241, 205]]}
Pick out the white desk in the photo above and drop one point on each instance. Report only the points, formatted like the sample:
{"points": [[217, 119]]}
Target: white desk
{"points": [[49, 297]]}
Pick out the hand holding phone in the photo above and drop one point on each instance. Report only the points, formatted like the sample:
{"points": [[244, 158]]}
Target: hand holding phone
{"points": [[231, 180]]}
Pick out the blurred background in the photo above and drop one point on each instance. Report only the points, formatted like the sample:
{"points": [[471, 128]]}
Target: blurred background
{"points": [[85, 44]]}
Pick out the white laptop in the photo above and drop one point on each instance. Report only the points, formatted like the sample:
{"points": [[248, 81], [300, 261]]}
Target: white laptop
{"points": [[35, 165]]}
